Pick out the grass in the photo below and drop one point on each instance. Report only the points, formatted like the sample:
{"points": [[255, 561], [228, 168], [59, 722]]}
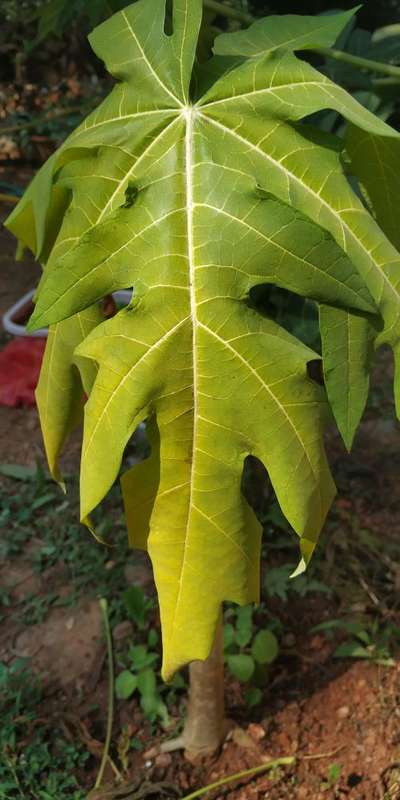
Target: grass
{"points": [[37, 761], [40, 525], [40, 528]]}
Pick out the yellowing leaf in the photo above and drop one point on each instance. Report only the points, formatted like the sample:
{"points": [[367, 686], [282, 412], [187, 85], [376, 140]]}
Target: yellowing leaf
{"points": [[191, 201], [59, 394]]}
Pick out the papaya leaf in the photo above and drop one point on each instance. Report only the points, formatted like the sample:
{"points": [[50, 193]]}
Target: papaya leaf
{"points": [[192, 201], [139, 488], [347, 349], [295, 33], [59, 394], [381, 186]]}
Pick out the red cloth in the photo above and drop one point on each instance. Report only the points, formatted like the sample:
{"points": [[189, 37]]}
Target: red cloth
{"points": [[20, 362]]}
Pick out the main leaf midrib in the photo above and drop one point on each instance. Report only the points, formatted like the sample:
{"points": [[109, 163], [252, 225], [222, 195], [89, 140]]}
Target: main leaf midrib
{"points": [[189, 114]]}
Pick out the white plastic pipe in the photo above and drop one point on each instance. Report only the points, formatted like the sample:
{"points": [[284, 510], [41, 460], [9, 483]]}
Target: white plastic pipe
{"points": [[16, 329]]}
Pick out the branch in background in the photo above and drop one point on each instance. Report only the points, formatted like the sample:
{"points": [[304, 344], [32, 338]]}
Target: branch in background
{"points": [[383, 83], [35, 123], [228, 11], [357, 61]]}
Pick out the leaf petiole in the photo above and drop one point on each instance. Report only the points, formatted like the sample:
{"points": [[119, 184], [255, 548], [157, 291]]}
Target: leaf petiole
{"points": [[358, 61], [229, 11]]}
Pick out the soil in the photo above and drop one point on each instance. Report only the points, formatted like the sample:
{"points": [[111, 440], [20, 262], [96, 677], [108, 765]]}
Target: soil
{"points": [[321, 710]]}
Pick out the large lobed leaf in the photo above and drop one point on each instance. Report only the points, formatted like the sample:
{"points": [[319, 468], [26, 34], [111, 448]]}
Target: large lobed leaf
{"points": [[192, 201]]}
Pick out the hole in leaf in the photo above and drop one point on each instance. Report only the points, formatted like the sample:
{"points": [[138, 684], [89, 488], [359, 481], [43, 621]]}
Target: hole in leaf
{"points": [[109, 306], [256, 485], [168, 20], [131, 193], [298, 315], [315, 371]]}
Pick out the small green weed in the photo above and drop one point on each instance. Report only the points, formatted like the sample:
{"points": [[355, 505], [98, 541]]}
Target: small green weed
{"points": [[141, 676], [249, 650], [36, 760], [40, 524], [373, 640], [332, 778], [278, 583], [140, 673], [138, 606]]}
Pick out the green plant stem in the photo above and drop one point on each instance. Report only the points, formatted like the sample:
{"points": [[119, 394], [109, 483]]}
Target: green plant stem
{"points": [[110, 714], [382, 83], [228, 11], [357, 61], [278, 762]]}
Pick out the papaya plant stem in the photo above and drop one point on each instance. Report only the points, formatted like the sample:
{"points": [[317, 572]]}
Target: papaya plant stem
{"points": [[278, 762], [110, 712], [358, 61], [205, 725], [228, 11]]}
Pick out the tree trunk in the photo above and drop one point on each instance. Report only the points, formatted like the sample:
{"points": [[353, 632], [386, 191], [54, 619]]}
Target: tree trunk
{"points": [[205, 723]]}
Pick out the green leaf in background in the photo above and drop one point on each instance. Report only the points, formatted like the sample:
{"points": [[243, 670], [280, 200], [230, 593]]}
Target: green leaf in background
{"points": [[135, 604], [141, 657], [241, 666], [150, 701], [153, 638], [229, 636], [351, 650], [385, 45], [265, 647], [278, 583], [244, 625], [18, 471], [125, 684], [253, 696], [53, 16], [193, 201], [147, 683]]}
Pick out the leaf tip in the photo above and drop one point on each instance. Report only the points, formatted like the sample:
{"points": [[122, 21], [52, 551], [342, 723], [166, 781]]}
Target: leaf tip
{"points": [[87, 522], [301, 567], [348, 439], [34, 323]]}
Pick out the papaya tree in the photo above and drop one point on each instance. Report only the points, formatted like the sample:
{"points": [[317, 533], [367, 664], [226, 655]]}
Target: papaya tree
{"points": [[192, 183]]}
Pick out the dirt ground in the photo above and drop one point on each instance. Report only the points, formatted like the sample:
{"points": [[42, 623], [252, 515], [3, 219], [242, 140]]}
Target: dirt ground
{"points": [[321, 710]]}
